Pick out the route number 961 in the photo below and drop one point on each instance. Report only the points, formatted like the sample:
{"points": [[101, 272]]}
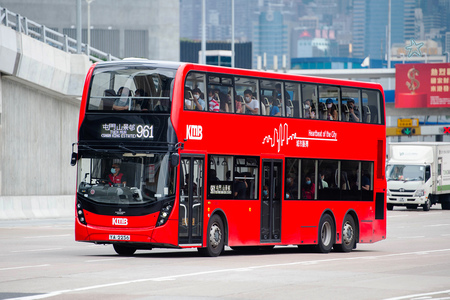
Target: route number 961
{"points": [[144, 131]]}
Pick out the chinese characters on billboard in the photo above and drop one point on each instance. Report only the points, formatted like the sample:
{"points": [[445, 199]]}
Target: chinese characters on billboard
{"points": [[422, 85]]}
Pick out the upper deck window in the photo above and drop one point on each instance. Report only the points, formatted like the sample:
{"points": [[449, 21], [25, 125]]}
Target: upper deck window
{"points": [[137, 89]]}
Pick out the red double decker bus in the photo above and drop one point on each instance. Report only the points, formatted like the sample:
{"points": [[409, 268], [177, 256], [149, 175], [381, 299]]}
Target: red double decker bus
{"points": [[179, 155]]}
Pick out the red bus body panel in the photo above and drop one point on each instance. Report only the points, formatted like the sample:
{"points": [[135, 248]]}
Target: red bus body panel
{"points": [[268, 138]]}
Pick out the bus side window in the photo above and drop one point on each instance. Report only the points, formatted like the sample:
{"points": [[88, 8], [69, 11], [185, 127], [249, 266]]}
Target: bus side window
{"points": [[350, 105], [294, 103], [330, 96], [245, 184], [371, 101], [308, 179], [195, 90], [291, 190], [329, 185], [309, 105], [247, 88]]}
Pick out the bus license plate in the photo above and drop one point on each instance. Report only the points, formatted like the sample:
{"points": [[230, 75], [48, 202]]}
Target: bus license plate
{"points": [[401, 199], [118, 237]]}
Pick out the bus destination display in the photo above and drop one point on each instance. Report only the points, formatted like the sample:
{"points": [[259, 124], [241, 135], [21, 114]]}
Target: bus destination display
{"points": [[126, 131]]}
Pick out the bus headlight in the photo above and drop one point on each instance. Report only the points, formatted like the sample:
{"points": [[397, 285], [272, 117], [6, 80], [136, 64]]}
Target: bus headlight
{"points": [[164, 214], [419, 193], [388, 193], [80, 213]]}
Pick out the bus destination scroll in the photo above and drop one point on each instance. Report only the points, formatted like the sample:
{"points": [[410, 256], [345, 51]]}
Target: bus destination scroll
{"points": [[126, 131]]}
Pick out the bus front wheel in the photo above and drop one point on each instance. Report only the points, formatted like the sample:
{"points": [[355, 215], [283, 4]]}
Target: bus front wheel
{"points": [[124, 250], [326, 234], [215, 240]]}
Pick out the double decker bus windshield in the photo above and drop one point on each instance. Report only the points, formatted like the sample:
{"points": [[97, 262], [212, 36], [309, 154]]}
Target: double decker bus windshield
{"points": [[126, 178], [130, 89]]}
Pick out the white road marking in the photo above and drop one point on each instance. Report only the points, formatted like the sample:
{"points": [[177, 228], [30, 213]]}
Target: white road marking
{"points": [[188, 275], [421, 295], [23, 267], [45, 236], [36, 250], [108, 259]]}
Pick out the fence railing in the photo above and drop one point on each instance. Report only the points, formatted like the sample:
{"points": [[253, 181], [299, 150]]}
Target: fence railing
{"points": [[49, 36]]}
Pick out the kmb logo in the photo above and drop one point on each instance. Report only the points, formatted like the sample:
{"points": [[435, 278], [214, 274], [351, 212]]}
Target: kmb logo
{"points": [[120, 221], [194, 132]]}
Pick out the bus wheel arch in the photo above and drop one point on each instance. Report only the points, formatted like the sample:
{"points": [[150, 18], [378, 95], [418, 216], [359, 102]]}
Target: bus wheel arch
{"points": [[349, 233], [216, 235], [326, 232]]}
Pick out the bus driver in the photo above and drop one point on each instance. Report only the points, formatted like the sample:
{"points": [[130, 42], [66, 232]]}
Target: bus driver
{"points": [[115, 177]]}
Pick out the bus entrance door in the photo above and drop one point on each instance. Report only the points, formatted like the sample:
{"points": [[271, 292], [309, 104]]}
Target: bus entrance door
{"points": [[190, 221], [271, 201]]}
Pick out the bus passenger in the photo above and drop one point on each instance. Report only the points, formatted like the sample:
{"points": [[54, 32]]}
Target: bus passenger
{"points": [[123, 102], [332, 113], [115, 177], [291, 187], [353, 111], [323, 183], [308, 112], [188, 98], [250, 103], [365, 181], [139, 103], [309, 189], [273, 109], [213, 103], [286, 98], [239, 104], [239, 187], [199, 103], [265, 192]]}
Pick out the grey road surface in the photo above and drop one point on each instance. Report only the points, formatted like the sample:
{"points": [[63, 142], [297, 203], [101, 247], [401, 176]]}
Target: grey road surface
{"points": [[39, 259]]}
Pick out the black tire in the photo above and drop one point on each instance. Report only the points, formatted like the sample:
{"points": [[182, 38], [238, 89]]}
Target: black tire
{"points": [[215, 239], [349, 235], [426, 206], [326, 235], [124, 250], [390, 206]]}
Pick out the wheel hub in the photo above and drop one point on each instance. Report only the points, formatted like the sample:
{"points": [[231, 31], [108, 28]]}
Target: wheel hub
{"points": [[215, 236], [347, 234]]}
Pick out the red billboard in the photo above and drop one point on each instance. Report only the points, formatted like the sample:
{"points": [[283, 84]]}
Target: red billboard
{"points": [[422, 85]]}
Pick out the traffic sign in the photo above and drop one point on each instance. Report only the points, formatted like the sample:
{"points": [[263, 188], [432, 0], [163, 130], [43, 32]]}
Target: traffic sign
{"points": [[408, 122]]}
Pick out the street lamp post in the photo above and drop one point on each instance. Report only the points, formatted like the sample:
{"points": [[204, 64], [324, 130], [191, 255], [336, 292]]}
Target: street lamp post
{"points": [[88, 44], [448, 56]]}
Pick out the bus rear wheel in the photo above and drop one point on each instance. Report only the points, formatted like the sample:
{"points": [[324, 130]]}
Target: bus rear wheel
{"points": [[124, 250], [327, 232], [348, 235], [215, 241]]}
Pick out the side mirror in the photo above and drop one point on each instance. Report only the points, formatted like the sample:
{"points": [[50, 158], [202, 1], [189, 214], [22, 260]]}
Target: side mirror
{"points": [[174, 159], [73, 159]]}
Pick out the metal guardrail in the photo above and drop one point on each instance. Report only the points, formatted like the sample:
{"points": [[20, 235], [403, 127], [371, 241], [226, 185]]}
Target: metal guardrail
{"points": [[49, 36]]}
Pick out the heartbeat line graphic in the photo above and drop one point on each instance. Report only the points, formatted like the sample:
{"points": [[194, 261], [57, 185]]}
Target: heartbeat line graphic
{"points": [[282, 137]]}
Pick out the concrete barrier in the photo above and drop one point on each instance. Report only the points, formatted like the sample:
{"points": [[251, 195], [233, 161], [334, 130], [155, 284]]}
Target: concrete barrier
{"points": [[36, 207]]}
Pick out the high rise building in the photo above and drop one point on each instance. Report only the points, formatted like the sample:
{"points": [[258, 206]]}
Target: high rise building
{"points": [[218, 19], [370, 22], [270, 38]]}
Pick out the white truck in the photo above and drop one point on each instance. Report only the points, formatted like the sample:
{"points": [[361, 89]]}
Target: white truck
{"points": [[418, 173]]}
